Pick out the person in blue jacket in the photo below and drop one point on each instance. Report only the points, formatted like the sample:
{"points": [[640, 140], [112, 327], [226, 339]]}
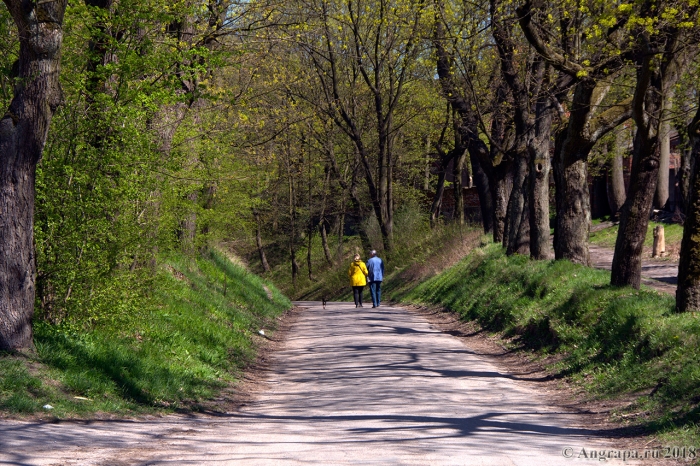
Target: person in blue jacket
{"points": [[375, 267]]}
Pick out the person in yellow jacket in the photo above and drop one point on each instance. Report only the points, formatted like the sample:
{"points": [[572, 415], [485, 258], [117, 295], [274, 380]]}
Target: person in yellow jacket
{"points": [[358, 278]]}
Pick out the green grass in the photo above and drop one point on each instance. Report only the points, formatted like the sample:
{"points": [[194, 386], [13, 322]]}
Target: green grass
{"points": [[616, 342], [673, 234], [193, 338]]}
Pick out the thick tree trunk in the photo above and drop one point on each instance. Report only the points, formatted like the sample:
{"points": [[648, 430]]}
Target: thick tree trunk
{"points": [[573, 220], [627, 260], [502, 186], [481, 182], [616, 185], [599, 193], [684, 175], [652, 88], [540, 167], [688, 292], [17, 260], [517, 220], [23, 132]]}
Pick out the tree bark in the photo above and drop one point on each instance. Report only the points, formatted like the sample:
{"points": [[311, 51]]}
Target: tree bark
{"points": [[540, 167], [627, 260], [259, 243], [23, 132], [662, 186], [437, 199], [481, 181], [651, 90], [309, 262], [324, 242], [457, 172], [688, 292], [188, 225], [518, 224], [616, 184]]}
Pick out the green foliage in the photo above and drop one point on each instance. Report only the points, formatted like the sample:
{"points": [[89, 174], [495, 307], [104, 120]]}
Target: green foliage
{"points": [[615, 341], [190, 339]]}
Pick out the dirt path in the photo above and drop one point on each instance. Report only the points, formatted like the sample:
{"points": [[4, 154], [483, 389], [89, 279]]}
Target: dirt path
{"points": [[660, 274], [368, 386]]}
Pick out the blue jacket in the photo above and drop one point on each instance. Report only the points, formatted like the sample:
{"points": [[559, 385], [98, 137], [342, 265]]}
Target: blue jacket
{"points": [[375, 267]]}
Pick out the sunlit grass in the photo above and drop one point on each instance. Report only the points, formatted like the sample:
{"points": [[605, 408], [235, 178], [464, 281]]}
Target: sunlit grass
{"points": [[197, 335], [673, 234]]}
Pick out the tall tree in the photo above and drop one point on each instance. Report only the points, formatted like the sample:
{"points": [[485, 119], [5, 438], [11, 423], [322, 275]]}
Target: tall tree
{"points": [[23, 132], [591, 62], [660, 56], [688, 292]]}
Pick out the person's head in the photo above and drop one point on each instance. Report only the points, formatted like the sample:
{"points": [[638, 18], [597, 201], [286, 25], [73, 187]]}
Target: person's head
{"points": [[372, 253], [357, 257]]}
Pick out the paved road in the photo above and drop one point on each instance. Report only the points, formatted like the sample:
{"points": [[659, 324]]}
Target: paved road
{"points": [[368, 386]]}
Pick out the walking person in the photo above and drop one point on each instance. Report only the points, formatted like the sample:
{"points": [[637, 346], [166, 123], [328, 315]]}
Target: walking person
{"points": [[375, 269], [358, 279]]}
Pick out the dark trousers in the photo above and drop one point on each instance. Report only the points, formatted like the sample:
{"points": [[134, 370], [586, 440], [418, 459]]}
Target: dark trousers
{"points": [[357, 294], [375, 289]]}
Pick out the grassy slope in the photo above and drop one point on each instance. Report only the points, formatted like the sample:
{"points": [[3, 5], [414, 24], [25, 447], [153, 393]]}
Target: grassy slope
{"points": [[673, 234], [615, 341], [192, 339]]}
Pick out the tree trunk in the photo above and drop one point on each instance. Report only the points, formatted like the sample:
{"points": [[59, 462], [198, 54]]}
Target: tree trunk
{"points": [[662, 186], [540, 166], [481, 182], [684, 180], [23, 132], [457, 172], [324, 242], [426, 180], [437, 199], [518, 239], [652, 88], [616, 184], [627, 260], [573, 220], [188, 225], [502, 187], [688, 292], [259, 243], [599, 194], [309, 245], [341, 230]]}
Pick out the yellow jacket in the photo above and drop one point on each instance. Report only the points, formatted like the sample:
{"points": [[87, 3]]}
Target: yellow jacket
{"points": [[358, 273]]}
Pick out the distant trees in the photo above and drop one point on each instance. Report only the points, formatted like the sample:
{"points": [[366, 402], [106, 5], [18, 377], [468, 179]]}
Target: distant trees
{"points": [[210, 120]]}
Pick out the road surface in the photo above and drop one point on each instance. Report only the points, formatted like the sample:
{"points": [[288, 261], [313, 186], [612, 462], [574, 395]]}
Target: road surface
{"points": [[349, 386]]}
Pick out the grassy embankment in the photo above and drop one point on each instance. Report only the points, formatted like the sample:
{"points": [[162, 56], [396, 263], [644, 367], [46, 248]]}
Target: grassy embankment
{"points": [[673, 234], [618, 343], [195, 333]]}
